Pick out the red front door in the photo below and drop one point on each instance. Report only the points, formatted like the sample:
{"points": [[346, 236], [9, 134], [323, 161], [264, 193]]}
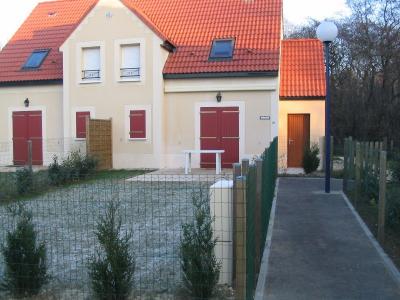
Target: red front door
{"points": [[219, 130], [27, 125]]}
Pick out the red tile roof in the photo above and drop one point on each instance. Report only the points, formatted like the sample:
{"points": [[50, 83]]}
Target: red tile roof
{"points": [[192, 25], [302, 71], [47, 27], [187, 24]]}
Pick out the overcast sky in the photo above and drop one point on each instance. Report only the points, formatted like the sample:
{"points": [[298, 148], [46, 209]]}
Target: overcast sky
{"points": [[13, 13]]}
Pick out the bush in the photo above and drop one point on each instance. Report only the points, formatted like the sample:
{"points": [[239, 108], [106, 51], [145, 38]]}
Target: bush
{"points": [[75, 166], [200, 268], [25, 260], [24, 179], [395, 168], [311, 159], [111, 270]]}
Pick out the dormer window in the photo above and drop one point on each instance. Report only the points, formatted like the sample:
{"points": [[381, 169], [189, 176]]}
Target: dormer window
{"points": [[91, 64], [222, 49], [36, 59]]}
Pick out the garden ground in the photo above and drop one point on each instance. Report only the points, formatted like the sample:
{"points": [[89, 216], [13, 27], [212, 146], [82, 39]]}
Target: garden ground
{"points": [[153, 211]]}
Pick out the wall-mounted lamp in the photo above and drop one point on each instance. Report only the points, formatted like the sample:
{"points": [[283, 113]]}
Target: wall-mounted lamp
{"points": [[26, 102], [219, 97]]}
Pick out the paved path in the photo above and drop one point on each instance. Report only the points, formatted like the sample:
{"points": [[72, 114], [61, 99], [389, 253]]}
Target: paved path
{"points": [[319, 250]]}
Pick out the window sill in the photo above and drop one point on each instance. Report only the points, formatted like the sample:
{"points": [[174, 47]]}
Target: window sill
{"points": [[80, 139], [90, 81], [137, 139], [129, 79]]}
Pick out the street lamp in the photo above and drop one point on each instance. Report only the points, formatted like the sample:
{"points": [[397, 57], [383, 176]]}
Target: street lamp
{"points": [[327, 33]]}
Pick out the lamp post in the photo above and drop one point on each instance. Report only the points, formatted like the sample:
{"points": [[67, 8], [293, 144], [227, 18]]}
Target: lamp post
{"points": [[327, 33]]}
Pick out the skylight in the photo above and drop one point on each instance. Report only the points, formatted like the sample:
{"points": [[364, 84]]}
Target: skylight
{"points": [[36, 59], [222, 49]]}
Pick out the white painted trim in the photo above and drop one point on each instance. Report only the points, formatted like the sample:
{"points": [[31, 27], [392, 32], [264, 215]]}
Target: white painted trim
{"points": [[66, 100], [78, 57], [117, 59], [44, 128], [74, 110], [274, 115], [158, 103], [149, 118], [216, 87], [242, 127]]}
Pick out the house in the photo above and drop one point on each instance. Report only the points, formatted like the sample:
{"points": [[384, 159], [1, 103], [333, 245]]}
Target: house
{"points": [[171, 75]]}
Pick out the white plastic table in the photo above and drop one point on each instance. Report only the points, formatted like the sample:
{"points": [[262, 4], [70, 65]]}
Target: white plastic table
{"points": [[188, 159]]}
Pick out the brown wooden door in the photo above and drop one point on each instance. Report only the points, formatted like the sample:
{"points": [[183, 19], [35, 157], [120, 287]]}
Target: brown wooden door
{"points": [[298, 138]]}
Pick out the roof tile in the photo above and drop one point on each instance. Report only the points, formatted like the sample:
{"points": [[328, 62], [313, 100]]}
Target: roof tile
{"points": [[47, 27], [302, 72]]}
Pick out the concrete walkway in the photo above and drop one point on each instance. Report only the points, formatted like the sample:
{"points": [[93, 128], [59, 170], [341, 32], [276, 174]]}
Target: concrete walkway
{"points": [[320, 250]]}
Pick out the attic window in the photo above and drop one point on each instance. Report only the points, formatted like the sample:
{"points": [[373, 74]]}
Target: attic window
{"points": [[36, 59], [222, 48]]}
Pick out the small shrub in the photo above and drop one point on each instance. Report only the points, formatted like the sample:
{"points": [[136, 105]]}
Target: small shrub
{"points": [[111, 270], [55, 172], [24, 179], [393, 205], [199, 265], [76, 166], [25, 259], [311, 159]]}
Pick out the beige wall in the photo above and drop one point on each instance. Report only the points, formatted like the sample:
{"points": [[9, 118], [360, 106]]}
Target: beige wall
{"points": [[109, 22], [46, 98], [316, 109], [185, 97]]}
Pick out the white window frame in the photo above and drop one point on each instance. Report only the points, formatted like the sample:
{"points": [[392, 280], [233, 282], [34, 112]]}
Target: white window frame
{"points": [[79, 60], [147, 109], [118, 59], [75, 110]]}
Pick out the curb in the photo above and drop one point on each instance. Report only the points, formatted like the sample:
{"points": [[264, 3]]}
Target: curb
{"points": [[386, 259], [262, 277]]}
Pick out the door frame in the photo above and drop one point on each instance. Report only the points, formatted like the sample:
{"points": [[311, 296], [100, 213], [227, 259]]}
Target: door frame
{"points": [[287, 134], [11, 110], [242, 127]]}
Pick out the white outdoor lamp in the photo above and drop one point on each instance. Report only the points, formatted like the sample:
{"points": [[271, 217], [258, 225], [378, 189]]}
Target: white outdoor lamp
{"points": [[327, 33]]}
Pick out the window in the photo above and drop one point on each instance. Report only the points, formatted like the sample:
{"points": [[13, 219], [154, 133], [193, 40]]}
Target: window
{"points": [[222, 49], [130, 61], [36, 59], [91, 63], [81, 124], [137, 119]]}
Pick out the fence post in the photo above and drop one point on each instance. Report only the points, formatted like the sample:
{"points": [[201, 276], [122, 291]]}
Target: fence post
{"points": [[332, 146], [345, 163], [382, 197], [322, 150], [385, 144], [240, 237], [351, 158], [30, 155], [376, 157], [237, 169], [358, 171], [257, 211], [245, 166]]}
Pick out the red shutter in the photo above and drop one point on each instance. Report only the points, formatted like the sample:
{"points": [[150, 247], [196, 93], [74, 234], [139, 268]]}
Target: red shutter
{"points": [[137, 124], [81, 124]]}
